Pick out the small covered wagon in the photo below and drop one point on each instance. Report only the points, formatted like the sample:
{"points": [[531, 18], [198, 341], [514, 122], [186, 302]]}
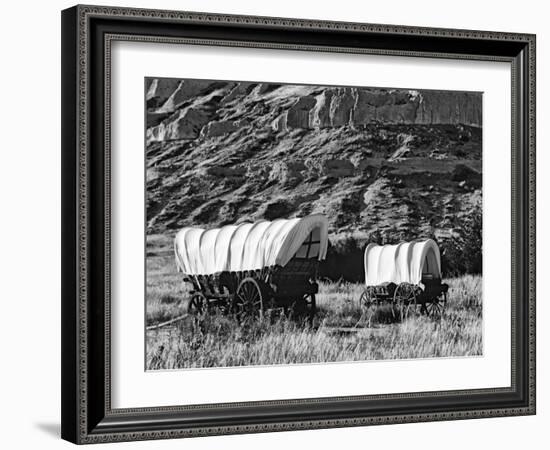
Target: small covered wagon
{"points": [[406, 276], [250, 268]]}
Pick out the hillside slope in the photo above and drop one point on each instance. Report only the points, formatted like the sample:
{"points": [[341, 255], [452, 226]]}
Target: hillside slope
{"points": [[400, 163]]}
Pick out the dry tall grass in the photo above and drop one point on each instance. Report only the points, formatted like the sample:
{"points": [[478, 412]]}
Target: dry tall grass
{"points": [[338, 333]]}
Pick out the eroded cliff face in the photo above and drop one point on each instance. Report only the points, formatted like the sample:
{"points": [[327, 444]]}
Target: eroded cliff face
{"points": [[182, 109], [401, 162]]}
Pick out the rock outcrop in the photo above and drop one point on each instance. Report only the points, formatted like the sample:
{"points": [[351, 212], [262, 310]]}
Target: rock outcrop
{"points": [[221, 128], [404, 163], [308, 107]]}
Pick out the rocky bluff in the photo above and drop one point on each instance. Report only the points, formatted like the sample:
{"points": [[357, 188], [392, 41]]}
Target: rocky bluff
{"points": [[402, 163]]}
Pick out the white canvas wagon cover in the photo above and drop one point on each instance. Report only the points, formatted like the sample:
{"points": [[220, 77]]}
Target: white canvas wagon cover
{"points": [[407, 262], [250, 246]]}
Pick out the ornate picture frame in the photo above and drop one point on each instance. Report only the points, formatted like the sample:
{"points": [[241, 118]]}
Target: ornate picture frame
{"points": [[88, 33]]}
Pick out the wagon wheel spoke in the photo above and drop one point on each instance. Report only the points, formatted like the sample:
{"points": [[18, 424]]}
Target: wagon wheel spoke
{"points": [[307, 307], [404, 299], [411, 308], [256, 304], [197, 303], [368, 303], [250, 293], [434, 308]]}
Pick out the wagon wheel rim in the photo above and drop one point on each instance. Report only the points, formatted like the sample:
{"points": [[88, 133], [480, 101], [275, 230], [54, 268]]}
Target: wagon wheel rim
{"points": [[312, 307], [404, 298], [248, 298], [411, 309], [368, 304], [197, 303]]}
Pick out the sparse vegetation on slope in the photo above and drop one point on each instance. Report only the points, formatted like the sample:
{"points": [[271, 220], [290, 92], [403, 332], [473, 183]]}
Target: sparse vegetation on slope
{"points": [[394, 166]]}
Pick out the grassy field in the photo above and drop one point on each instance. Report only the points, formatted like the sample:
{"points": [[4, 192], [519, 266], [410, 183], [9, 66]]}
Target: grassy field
{"points": [[337, 334]]}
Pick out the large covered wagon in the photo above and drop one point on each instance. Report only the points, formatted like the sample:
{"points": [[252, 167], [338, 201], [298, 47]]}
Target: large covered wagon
{"points": [[407, 276], [250, 268]]}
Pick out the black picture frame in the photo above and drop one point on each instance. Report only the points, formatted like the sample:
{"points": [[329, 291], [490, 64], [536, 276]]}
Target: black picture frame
{"points": [[87, 33]]}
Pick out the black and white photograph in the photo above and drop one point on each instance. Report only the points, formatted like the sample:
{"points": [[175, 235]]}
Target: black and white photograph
{"points": [[299, 224]]}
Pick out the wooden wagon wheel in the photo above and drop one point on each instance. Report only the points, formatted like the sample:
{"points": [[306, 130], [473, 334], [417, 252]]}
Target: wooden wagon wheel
{"points": [[404, 297], [249, 298], [435, 307], [368, 302], [197, 304]]}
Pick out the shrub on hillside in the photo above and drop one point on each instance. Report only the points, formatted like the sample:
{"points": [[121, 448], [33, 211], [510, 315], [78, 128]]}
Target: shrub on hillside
{"points": [[344, 260], [463, 253]]}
